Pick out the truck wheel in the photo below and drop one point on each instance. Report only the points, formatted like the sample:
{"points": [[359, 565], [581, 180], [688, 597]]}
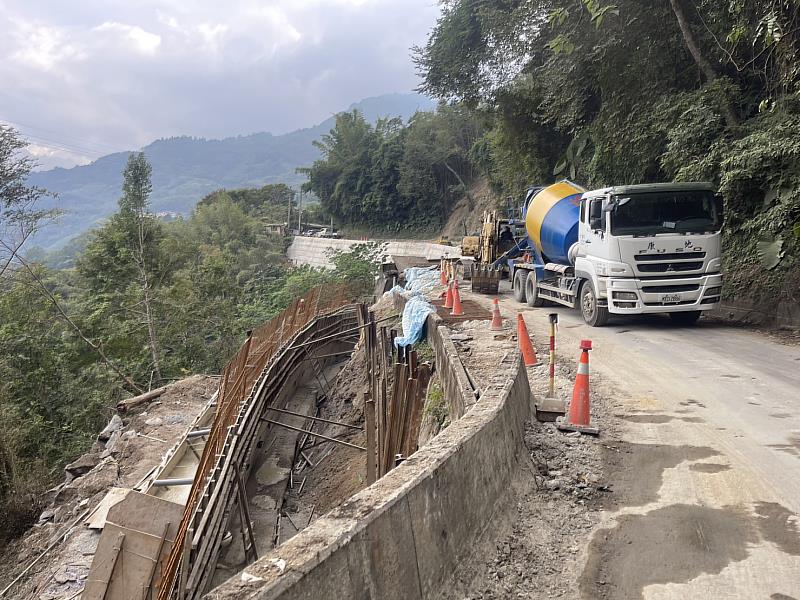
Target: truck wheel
{"points": [[685, 318], [594, 315], [532, 292], [520, 277]]}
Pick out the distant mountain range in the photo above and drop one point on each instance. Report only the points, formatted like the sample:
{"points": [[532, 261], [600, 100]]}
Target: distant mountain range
{"points": [[185, 169]]}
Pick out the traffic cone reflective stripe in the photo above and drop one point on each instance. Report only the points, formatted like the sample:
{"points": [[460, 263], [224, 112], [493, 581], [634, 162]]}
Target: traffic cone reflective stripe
{"points": [[524, 341], [497, 318], [579, 409], [457, 310], [448, 298]]}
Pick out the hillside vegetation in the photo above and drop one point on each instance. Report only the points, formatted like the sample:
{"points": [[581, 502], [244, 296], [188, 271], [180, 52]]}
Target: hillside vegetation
{"points": [[635, 92], [396, 175], [146, 302]]}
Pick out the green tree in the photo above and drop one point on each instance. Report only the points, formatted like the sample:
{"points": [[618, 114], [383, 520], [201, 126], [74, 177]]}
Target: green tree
{"points": [[125, 267], [20, 214]]}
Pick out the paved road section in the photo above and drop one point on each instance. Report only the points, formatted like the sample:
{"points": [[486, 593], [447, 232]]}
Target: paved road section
{"points": [[706, 471]]}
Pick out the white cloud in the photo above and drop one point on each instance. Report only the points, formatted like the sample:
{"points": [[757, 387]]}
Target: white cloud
{"points": [[124, 73], [47, 158], [41, 47], [142, 41]]}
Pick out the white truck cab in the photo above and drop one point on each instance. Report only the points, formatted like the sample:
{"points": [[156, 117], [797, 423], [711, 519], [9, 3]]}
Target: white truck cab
{"points": [[650, 248]]}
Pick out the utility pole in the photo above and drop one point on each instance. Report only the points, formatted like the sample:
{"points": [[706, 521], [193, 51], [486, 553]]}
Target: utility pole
{"points": [[300, 213], [289, 216]]}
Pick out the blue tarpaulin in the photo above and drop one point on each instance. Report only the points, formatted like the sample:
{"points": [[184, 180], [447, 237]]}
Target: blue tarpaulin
{"points": [[414, 316]]}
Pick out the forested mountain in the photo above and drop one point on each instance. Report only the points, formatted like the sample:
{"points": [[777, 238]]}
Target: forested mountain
{"points": [[186, 169]]}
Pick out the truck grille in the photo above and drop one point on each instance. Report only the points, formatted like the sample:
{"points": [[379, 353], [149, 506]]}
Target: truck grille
{"points": [[681, 303], [675, 256], [668, 289], [666, 267]]}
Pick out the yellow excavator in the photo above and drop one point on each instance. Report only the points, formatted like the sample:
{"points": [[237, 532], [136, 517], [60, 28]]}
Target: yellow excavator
{"points": [[497, 236]]}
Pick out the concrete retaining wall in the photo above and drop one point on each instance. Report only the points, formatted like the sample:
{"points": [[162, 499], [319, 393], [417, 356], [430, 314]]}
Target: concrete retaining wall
{"points": [[403, 537], [315, 251]]}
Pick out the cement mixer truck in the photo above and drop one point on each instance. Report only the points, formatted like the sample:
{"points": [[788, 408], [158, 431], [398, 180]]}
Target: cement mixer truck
{"points": [[627, 250]]}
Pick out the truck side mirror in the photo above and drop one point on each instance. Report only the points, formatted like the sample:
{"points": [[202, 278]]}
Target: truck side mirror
{"points": [[595, 214]]}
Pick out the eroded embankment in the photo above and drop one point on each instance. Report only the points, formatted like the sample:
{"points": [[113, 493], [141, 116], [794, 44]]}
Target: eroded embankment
{"points": [[404, 536]]}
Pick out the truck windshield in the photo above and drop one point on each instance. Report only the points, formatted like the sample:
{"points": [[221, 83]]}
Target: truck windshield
{"points": [[666, 212]]}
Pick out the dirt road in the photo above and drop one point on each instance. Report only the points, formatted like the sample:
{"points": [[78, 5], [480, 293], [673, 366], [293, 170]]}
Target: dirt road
{"points": [[705, 469]]}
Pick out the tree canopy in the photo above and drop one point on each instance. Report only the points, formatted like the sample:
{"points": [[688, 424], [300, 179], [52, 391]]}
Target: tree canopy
{"points": [[395, 175]]}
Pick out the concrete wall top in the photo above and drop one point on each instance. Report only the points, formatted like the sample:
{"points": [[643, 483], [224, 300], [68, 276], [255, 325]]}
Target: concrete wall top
{"points": [[402, 537], [315, 252]]}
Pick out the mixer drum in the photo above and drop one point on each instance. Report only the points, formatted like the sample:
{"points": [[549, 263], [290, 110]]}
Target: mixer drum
{"points": [[552, 221]]}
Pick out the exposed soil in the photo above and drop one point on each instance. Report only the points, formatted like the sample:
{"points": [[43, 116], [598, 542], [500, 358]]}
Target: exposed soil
{"points": [[463, 218], [147, 433]]}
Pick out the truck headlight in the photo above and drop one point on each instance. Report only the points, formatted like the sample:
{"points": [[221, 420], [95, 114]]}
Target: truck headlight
{"points": [[714, 291], [606, 269], [625, 296]]}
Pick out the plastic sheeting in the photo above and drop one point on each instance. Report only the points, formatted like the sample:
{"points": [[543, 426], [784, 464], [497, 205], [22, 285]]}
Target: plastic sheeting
{"points": [[418, 281], [414, 316], [421, 279]]}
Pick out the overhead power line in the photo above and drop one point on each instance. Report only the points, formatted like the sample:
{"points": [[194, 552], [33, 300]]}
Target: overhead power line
{"points": [[71, 145]]}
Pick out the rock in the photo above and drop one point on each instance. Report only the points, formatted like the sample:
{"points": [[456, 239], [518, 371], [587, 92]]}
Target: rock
{"points": [[154, 422], [47, 516], [61, 514], [100, 478], [175, 420], [83, 465], [129, 435], [114, 425], [111, 444], [553, 484]]}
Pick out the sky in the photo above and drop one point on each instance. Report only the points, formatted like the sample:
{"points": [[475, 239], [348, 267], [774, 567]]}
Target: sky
{"points": [[86, 78]]}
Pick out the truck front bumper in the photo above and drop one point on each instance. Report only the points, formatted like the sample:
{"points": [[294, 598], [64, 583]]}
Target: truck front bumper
{"points": [[636, 296]]}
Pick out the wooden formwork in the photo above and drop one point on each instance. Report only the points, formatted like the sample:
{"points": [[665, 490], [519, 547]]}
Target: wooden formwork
{"points": [[394, 394], [249, 381]]}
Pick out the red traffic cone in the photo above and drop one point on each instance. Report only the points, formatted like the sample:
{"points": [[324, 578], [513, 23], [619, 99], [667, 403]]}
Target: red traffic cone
{"points": [[524, 341], [442, 276], [448, 298], [457, 309], [497, 318], [578, 418]]}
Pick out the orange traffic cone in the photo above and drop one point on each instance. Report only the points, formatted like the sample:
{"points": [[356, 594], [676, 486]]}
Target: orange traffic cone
{"points": [[578, 418], [497, 318], [524, 341], [448, 298], [442, 276], [457, 310]]}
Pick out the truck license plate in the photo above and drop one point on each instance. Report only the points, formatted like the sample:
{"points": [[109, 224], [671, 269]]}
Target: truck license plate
{"points": [[668, 298]]}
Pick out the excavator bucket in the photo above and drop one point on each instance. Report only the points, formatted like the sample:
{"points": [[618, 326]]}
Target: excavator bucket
{"points": [[485, 279]]}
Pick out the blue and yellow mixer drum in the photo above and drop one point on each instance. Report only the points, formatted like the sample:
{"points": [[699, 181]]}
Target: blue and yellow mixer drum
{"points": [[551, 221]]}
